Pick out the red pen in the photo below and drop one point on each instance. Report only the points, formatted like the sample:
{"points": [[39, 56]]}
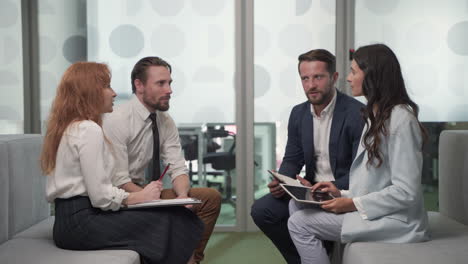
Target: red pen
{"points": [[164, 172]]}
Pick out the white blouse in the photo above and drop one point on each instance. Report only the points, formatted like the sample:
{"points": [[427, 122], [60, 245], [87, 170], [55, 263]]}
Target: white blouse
{"points": [[84, 167]]}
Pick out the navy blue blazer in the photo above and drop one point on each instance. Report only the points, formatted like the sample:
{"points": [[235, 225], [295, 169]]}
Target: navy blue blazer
{"points": [[345, 135]]}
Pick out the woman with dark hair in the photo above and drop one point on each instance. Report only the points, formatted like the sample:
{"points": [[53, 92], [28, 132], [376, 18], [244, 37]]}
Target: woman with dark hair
{"points": [[384, 201], [79, 163]]}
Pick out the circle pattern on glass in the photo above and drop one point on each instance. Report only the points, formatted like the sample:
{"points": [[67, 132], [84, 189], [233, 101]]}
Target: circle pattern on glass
{"points": [[126, 41], [458, 85], [179, 82], [290, 82], [209, 7], [45, 8], [48, 85], [295, 40], [262, 81], [328, 6], [422, 80], [168, 41], [8, 113], [423, 38], [8, 78], [47, 49], [208, 74], [133, 7], [215, 39], [9, 49], [327, 40], [381, 7], [457, 38], [302, 6], [74, 49], [261, 114], [165, 8], [262, 40], [121, 80]]}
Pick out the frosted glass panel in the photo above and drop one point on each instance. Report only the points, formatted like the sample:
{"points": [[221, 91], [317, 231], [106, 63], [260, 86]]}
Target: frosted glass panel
{"points": [[11, 68], [62, 41], [195, 37], [430, 40], [283, 31]]}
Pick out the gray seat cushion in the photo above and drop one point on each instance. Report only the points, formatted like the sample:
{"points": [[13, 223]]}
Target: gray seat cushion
{"points": [[448, 245], [43, 251], [41, 230]]}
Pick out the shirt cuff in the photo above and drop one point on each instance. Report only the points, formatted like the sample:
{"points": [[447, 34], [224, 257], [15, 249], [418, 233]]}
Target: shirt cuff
{"points": [[360, 208], [344, 193], [118, 198]]}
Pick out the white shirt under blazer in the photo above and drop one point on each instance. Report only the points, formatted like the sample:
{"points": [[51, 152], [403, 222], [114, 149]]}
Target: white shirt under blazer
{"points": [[391, 205]]}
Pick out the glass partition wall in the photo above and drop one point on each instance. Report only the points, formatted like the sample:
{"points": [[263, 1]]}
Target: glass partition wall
{"points": [[288, 29]]}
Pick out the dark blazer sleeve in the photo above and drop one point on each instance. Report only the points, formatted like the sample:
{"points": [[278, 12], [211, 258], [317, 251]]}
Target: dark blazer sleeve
{"points": [[293, 159], [350, 140]]}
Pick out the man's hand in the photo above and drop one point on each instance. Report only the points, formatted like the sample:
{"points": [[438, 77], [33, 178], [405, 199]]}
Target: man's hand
{"points": [[327, 187], [303, 181], [189, 206], [339, 205], [275, 189]]}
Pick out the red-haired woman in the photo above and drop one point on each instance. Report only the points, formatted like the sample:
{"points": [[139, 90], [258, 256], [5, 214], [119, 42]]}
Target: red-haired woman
{"points": [[79, 163]]}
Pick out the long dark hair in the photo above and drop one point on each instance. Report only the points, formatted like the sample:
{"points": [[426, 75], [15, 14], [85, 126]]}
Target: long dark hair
{"points": [[384, 88]]}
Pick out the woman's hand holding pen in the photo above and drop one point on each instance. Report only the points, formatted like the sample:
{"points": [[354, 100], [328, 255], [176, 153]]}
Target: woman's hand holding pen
{"points": [[152, 191]]}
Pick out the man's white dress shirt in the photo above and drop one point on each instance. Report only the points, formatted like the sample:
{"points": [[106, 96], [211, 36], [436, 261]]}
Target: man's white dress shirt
{"points": [[322, 128], [129, 129]]}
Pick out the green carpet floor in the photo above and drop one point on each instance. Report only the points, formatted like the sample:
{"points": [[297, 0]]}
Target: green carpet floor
{"points": [[241, 248]]}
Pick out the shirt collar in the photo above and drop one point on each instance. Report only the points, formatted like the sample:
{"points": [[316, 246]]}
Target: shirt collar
{"points": [[141, 110], [328, 109]]}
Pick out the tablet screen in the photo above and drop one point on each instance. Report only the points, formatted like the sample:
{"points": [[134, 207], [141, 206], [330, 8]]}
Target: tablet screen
{"points": [[304, 194]]}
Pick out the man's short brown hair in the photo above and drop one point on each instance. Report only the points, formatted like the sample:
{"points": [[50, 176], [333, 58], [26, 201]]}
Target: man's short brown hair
{"points": [[140, 69], [320, 55]]}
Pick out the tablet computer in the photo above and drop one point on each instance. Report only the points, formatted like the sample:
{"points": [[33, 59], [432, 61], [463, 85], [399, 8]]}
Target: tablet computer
{"points": [[163, 203], [303, 194], [284, 179]]}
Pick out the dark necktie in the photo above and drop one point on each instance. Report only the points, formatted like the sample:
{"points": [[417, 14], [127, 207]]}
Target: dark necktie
{"points": [[156, 173]]}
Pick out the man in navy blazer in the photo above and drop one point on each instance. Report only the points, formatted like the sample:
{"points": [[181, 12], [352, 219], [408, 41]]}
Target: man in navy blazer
{"points": [[323, 135]]}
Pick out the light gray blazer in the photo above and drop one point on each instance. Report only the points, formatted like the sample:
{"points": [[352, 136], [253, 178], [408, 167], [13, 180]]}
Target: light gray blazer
{"points": [[391, 195]]}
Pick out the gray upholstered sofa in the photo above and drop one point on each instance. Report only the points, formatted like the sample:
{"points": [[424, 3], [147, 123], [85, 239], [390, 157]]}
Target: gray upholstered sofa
{"points": [[25, 221], [449, 227]]}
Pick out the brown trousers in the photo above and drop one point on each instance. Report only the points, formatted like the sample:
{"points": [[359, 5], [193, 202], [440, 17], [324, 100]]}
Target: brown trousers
{"points": [[207, 211]]}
